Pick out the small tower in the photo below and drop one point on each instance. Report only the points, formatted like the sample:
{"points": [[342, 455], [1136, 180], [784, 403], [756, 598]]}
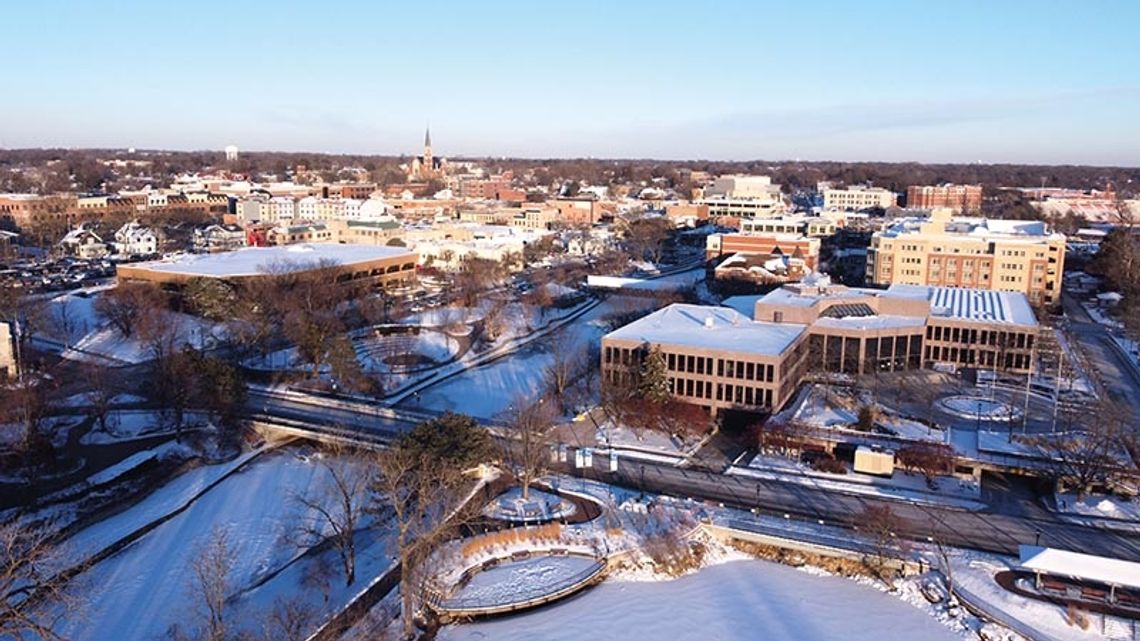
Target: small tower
{"points": [[428, 166]]}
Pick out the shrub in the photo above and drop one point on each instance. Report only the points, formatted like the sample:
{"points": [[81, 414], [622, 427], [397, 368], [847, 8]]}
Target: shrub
{"points": [[829, 464]]}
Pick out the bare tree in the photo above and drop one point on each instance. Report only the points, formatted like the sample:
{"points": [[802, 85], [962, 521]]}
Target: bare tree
{"points": [[528, 448], [130, 306], [1094, 455], [335, 510], [427, 497], [35, 590], [290, 619], [100, 393], [211, 584], [567, 365], [881, 524]]}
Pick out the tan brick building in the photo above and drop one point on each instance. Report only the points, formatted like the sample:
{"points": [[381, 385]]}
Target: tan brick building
{"points": [[944, 250], [720, 359], [960, 197]]}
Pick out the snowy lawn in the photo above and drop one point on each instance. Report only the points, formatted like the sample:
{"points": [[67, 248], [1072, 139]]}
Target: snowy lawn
{"points": [[72, 320], [741, 600], [146, 587], [125, 425], [838, 409]]}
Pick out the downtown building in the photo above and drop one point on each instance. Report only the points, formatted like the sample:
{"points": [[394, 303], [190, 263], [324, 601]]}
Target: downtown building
{"points": [[960, 197], [858, 198], [951, 251], [722, 359]]}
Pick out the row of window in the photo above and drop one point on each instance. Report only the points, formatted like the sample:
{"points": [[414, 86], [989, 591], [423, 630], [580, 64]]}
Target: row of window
{"points": [[707, 390], [1019, 340], [986, 358]]}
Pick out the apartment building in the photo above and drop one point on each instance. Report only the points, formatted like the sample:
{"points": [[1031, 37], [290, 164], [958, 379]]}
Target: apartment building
{"points": [[960, 197], [858, 198], [945, 250], [720, 359]]}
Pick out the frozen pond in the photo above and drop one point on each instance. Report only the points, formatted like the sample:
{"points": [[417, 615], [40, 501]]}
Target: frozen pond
{"points": [[737, 601]]}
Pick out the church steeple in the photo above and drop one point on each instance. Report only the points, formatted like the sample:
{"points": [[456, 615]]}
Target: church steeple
{"points": [[428, 166], [427, 138]]}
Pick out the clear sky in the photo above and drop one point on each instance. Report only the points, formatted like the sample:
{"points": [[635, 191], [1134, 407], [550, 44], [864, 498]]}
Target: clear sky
{"points": [[1042, 81]]}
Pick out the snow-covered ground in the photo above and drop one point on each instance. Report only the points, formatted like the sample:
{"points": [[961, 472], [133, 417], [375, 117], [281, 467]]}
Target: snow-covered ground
{"points": [[837, 408], [147, 587], [1100, 506], [125, 425], [980, 408], [740, 600], [71, 320], [488, 390], [625, 440]]}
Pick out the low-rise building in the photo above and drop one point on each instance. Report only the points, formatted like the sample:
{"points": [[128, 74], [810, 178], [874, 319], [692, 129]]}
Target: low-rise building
{"points": [[219, 238], [83, 243], [133, 239], [382, 266], [721, 359], [859, 198], [790, 245], [960, 197]]}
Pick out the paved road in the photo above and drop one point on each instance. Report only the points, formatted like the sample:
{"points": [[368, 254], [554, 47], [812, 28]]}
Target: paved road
{"points": [[1119, 375], [989, 531], [985, 531]]}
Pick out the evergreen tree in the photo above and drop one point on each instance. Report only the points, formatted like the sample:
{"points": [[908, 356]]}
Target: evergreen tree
{"points": [[653, 382]]}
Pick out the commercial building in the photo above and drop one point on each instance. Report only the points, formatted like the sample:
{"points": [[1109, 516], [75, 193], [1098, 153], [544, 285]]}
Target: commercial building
{"points": [[858, 198], [720, 359], [815, 226], [944, 250], [961, 197], [541, 218], [743, 197], [353, 263], [715, 356], [790, 245]]}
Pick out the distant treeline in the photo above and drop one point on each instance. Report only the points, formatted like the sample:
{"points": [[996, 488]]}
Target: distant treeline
{"points": [[45, 170]]}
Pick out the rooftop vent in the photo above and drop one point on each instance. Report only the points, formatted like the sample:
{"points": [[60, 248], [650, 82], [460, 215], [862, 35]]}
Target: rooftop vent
{"points": [[709, 322]]}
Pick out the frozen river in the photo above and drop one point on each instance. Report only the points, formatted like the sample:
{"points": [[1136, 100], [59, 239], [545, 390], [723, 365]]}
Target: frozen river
{"points": [[737, 601]]}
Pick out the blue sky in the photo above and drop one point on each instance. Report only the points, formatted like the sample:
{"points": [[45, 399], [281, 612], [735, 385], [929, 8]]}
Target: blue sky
{"points": [[992, 81]]}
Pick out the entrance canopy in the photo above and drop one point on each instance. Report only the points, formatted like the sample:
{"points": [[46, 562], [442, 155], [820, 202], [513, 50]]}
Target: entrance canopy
{"points": [[1123, 574]]}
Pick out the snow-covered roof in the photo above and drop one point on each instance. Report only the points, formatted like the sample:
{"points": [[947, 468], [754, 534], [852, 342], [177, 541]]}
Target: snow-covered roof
{"points": [[745, 303], [971, 304], [1080, 566], [888, 321], [707, 327], [251, 261]]}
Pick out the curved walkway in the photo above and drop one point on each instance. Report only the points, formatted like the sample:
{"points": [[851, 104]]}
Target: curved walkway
{"points": [[1008, 580], [519, 582]]}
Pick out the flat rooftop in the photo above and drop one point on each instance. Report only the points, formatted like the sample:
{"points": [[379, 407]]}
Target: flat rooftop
{"points": [[252, 261], [707, 327], [971, 304]]}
